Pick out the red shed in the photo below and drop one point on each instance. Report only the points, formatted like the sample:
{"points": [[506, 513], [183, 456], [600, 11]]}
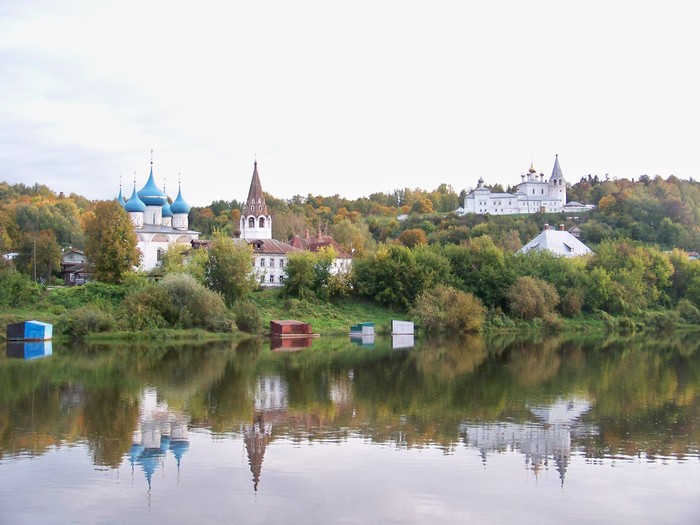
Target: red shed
{"points": [[289, 327]]}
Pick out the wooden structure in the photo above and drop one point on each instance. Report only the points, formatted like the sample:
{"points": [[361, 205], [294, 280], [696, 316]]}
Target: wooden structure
{"points": [[401, 327], [362, 329], [290, 328], [29, 331]]}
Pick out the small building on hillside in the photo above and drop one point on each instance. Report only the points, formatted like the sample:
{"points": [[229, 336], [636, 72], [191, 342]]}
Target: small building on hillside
{"points": [[560, 242], [343, 260], [74, 267]]}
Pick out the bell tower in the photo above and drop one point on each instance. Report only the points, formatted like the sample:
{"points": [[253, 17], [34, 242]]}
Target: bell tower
{"points": [[256, 222]]}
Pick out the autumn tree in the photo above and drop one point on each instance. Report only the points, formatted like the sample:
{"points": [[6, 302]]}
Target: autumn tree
{"points": [[413, 237], [39, 255], [110, 242]]}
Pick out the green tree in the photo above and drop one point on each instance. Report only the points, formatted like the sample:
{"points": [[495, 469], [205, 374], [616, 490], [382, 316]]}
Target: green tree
{"points": [[110, 242], [444, 308], [530, 298], [309, 274], [228, 269]]}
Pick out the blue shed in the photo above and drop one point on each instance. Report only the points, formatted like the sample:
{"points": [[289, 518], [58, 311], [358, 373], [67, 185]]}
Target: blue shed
{"points": [[29, 331]]}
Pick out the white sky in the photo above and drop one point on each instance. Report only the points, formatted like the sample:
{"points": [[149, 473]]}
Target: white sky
{"points": [[349, 98]]}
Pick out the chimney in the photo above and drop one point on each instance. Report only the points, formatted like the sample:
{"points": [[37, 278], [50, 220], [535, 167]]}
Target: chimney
{"points": [[561, 227], [546, 227]]}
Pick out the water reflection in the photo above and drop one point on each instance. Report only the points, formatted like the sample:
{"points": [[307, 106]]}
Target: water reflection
{"points": [[29, 349], [159, 430], [545, 399], [544, 441]]}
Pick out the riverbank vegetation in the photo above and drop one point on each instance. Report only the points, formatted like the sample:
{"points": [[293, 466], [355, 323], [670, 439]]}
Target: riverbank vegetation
{"points": [[413, 259]]}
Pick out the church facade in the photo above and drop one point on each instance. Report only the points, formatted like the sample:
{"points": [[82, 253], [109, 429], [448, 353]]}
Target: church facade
{"points": [[534, 194], [157, 223]]}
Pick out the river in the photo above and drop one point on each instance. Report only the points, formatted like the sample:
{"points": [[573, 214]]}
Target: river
{"points": [[435, 430]]}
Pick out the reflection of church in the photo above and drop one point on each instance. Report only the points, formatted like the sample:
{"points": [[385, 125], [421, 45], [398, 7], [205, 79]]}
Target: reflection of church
{"points": [[159, 431], [271, 396], [544, 441]]}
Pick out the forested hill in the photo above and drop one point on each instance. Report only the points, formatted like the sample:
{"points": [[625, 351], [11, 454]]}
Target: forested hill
{"points": [[663, 212]]}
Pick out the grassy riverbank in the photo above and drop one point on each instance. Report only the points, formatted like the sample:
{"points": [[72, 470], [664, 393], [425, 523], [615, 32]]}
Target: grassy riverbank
{"points": [[96, 316]]}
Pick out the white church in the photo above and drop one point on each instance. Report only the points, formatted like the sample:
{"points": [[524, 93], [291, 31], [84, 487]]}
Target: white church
{"points": [[534, 194], [157, 223]]}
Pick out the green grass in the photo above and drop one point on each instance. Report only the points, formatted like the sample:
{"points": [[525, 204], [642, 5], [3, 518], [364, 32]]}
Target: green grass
{"points": [[331, 317]]}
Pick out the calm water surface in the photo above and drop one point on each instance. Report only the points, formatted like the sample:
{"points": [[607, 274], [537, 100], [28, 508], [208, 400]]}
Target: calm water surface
{"points": [[445, 431]]}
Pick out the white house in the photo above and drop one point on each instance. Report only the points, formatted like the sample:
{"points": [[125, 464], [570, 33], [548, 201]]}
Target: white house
{"points": [[534, 194], [157, 224], [559, 242]]}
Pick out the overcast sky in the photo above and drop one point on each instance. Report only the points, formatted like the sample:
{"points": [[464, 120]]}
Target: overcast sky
{"points": [[349, 98]]}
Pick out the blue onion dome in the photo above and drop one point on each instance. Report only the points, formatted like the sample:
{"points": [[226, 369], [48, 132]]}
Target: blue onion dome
{"points": [[150, 194], [120, 198], [166, 210], [134, 204], [179, 206]]}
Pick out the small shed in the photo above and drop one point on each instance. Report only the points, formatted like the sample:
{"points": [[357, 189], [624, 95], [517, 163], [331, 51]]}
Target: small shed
{"points": [[29, 331], [362, 329], [401, 327], [289, 328]]}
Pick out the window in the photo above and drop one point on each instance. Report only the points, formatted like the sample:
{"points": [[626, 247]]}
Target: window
{"points": [[281, 279], [251, 222], [281, 263], [272, 278], [262, 279], [262, 262], [261, 222], [159, 254], [542, 191], [272, 262]]}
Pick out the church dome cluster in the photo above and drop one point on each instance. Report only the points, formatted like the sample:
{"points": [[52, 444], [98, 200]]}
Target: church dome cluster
{"points": [[157, 223], [150, 206]]}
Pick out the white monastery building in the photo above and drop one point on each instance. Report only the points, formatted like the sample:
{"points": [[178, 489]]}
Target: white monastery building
{"points": [[534, 194], [157, 223]]}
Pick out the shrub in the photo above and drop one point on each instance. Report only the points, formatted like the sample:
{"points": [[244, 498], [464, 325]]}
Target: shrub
{"points": [[90, 293], [248, 318], [142, 310], [17, 289], [531, 298], [662, 321], [189, 304], [89, 319], [687, 311], [444, 308]]}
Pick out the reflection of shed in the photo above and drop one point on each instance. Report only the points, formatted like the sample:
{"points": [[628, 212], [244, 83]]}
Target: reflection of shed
{"points": [[29, 349], [289, 327], [290, 343]]}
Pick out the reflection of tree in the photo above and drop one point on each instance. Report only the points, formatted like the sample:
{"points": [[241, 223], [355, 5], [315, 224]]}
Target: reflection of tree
{"points": [[644, 393], [534, 364], [110, 419]]}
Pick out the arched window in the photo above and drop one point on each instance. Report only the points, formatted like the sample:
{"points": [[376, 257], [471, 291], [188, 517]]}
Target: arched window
{"points": [[251, 222], [261, 222], [159, 254]]}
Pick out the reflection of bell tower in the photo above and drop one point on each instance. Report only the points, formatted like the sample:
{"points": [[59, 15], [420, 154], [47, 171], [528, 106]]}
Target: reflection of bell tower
{"points": [[256, 440], [256, 222]]}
